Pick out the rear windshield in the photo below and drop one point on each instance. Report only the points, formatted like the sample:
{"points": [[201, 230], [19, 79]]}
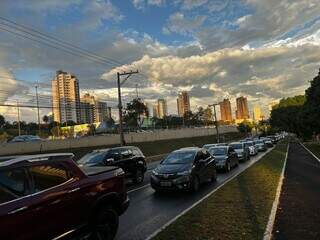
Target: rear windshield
{"points": [[92, 158]]}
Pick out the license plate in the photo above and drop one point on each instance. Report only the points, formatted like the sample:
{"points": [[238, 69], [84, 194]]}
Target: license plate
{"points": [[165, 184]]}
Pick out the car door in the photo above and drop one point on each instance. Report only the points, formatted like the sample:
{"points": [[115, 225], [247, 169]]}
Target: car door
{"points": [[127, 161], [210, 164], [15, 200], [233, 155], [201, 166], [57, 201]]}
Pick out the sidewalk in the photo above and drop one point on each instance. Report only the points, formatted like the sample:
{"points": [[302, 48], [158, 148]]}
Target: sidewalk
{"points": [[298, 214]]}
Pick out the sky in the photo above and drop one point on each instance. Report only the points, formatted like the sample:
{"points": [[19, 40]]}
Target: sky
{"points": [[215, 49]]}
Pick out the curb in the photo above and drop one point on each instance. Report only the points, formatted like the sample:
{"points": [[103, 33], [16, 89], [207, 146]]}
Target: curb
{"points": [[309, 151], [268, 232]]}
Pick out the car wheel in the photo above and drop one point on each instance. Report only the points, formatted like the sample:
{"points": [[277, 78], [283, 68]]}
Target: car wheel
{"points": [[195, 184], [214, 177], [139, 177], [228, 167], [105, 224]]}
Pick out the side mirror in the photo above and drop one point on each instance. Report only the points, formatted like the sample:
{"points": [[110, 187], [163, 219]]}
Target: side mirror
{"points": [[109, 161]]}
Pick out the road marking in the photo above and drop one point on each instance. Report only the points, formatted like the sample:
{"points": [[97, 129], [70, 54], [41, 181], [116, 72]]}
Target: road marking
{"points": [[268, 232], [136, 189], [203, 198], [309, 151]]}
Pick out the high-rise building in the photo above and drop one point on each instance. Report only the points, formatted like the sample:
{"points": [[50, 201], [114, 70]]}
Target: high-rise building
{"points": [[160, 109], [225, 110], [93, 110], [242, 111], [65, 98], [257, 114], [183, 103]]}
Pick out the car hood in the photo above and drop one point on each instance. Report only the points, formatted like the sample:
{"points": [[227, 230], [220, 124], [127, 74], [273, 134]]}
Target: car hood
{"points": [[172, 168], [220, 157]]}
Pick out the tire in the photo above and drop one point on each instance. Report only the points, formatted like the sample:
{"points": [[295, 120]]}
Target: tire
{"points": [[139, 177], [195, 184], [214, 177], [105, 225], [228, 167]]}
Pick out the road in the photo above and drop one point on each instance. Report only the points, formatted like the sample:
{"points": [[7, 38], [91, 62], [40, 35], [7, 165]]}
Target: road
{"points": [[149, 211], [298, 214]]}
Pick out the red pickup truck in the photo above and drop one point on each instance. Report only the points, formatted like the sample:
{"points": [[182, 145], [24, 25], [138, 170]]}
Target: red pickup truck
{"points": [[48, 196]]}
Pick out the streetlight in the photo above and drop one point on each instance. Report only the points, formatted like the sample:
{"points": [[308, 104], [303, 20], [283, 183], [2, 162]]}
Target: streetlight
{"points": [[216, 120]]}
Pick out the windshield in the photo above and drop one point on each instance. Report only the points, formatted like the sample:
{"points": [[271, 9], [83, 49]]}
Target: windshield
{"points": [[218, 151], [236, 146], [249, 144], [92, 158], [179, 157]]}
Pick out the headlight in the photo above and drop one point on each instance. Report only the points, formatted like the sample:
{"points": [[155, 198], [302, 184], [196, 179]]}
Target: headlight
{"points": [[184, 173]]}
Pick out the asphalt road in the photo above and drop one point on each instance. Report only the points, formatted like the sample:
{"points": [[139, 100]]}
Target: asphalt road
{"points": [[298, 214], [149, 211]]}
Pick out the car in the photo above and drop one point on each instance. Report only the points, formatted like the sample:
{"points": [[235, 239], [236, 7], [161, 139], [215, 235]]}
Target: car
{"points": [[273, 138], [48, 196], [262, 147], [253, 149], [129, 158], [207, 146], [241, 150], [184, 169], [225, 156], [25, 138], [268, 142]]}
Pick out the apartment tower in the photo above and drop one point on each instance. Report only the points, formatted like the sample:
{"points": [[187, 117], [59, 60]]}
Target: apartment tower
{"points": [[65, 98], [183, 103], [225, 110], [242, 111], [160, 109]]}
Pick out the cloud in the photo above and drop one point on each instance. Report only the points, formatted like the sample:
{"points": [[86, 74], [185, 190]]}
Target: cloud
{"points": [[178, 23], [141, 4]]}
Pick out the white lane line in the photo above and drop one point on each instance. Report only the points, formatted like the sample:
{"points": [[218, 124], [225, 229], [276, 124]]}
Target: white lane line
{"points": [[203, 198], [268, 232], [309, 151], [139, 188]]}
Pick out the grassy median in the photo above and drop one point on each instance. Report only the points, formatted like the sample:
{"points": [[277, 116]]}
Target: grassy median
{"points": [[238, 210], [314, 147]]}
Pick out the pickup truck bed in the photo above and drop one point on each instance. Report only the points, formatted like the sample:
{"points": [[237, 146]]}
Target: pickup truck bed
{"points": [[91, 171]]}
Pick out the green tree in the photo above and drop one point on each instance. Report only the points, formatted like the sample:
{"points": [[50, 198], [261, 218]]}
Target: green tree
{"points": [[2, 121], [245, 127], [45, 119], [135, 112]]}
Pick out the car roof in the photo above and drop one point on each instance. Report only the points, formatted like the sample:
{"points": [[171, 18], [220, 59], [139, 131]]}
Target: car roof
{"points": [[188, 149], [34, 158], [107, 149], [235, 143]]}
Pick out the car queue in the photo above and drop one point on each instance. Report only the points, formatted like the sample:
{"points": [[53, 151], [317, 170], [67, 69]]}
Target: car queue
{"points": [[50, 184]]}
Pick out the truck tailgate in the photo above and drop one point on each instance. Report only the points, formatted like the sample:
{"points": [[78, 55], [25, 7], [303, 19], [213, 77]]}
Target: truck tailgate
{"points": [[90, 171]]}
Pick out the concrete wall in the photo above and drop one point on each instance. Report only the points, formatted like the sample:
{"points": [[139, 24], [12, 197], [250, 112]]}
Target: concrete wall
{"points": [[112, 139]]}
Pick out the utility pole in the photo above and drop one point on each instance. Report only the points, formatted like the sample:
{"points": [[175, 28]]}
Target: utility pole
{"points": [[137, 91], [119, 83], [19, 129], [38, 109], [216, 120]]}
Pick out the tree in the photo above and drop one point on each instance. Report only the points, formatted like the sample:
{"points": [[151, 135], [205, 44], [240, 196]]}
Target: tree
{"points": [[45, 118], [245, 127], [2, 121], [135, 112]]}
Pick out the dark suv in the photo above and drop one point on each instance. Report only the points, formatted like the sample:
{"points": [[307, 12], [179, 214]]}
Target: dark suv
{"points": [[129, 158], [50, 197]]}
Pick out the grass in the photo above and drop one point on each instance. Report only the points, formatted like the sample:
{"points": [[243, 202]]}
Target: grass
{"points": [[162, 146], [238, 210], [314, 147]]}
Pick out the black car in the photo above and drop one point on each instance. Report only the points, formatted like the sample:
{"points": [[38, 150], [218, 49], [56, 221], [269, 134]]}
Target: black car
{"points": [[129, 158], [184, 169], [241, 150], [225, 156]]}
